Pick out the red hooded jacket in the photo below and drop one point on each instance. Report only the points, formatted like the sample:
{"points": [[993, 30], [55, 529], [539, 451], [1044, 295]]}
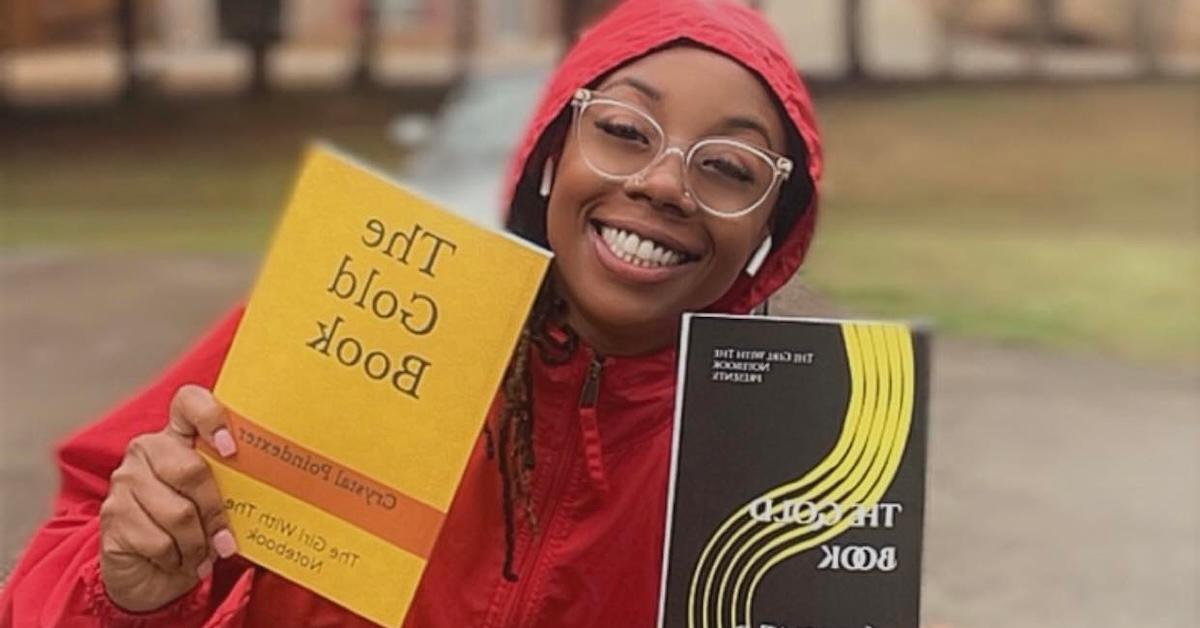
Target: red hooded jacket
{"points": [[600, 486]]}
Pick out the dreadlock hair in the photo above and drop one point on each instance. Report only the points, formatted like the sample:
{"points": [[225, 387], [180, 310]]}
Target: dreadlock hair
{"points": [[512, 443]]}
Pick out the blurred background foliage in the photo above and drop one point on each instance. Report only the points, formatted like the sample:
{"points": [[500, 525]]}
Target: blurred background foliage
{"points": [[1027, 172]]}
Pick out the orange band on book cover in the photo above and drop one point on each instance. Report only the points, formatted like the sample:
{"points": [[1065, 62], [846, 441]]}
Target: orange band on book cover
{"points": [[308, 476]]}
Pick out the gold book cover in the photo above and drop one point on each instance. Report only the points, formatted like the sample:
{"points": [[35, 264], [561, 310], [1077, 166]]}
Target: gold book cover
{"points": [[359, 379]]}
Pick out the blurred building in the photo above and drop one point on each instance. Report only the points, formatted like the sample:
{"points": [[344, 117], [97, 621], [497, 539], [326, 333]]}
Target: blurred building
{"points": [[62, 50], [1080, 22], [38, 23], [34, 23], [26, 24]]}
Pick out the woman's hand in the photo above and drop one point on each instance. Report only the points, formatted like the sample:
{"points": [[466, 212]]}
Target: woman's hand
{"points": [[163, 522]]}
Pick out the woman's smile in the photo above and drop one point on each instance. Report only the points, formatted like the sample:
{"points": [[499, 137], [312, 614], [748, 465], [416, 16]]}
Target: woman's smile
{"points": [[635, 251]]}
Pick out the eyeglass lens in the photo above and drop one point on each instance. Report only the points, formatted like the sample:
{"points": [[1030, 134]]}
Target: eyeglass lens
{"points": [[621, 141]]}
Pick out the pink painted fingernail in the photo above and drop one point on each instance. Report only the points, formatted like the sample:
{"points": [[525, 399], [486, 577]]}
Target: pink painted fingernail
{"points": [[223, 441], [223, 542], [205, 569]]}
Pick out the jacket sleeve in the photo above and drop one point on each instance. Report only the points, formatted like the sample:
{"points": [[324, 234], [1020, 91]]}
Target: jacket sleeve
{"points": [[57, 579]]}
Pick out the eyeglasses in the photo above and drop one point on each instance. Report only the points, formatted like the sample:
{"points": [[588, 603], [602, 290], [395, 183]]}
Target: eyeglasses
{"points": [[725, 177]]}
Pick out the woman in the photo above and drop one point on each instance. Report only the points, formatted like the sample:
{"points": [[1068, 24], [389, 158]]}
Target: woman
{"points": [[670, 166]]}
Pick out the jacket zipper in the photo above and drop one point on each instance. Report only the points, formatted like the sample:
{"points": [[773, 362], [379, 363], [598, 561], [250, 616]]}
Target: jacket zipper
{"points": [[587, 400], [591, 385], [593, 456]]}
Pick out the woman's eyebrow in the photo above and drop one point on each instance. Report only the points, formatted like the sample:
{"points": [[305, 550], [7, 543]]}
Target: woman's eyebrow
{"points": [[749, 124], [650, 92]]}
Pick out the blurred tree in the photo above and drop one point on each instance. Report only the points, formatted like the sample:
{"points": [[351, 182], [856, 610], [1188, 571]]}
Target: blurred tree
{"points": [[852, 39], [126, 19], [368, 40], [950, 15], [570, 17], [1145, 37], [466, 35], [257, 24], [1043, 16], [575, 15]]}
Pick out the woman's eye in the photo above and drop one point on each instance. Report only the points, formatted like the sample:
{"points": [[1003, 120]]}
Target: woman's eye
{"points": [[729, 169], [622, 131]]}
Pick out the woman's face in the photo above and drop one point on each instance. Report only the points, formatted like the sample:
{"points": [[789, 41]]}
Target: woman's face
{"points": [[627, 307]]}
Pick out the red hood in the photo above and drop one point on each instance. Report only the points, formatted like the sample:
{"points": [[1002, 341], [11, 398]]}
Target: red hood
{"points": [[636, 27]]}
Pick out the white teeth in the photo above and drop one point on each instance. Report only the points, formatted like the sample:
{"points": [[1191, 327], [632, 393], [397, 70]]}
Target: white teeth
{"points": [[646, 250], [631, 243], [638, 251]]}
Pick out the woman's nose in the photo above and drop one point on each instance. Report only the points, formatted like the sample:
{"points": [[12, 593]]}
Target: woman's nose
{"points": [[664, 181]]}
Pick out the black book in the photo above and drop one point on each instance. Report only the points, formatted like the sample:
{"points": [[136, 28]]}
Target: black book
{"points": [[798, 475]]}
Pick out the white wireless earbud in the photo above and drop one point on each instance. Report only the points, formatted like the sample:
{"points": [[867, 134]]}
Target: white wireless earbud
{"points": [[547, 177], [756, 260]]}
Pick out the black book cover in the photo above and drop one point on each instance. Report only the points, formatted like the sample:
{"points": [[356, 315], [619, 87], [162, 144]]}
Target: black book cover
{"points": [[798, 477]]}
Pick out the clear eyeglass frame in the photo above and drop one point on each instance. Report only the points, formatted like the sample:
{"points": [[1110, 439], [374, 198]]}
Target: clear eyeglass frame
{"points": [[781, 167]]}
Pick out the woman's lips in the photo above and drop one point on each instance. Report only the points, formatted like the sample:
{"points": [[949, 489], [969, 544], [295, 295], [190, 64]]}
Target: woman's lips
{"points": [[659, 236], [629, 271]]}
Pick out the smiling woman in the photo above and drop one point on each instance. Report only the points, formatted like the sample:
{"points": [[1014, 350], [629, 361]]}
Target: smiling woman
{"points": [[670, 165], [625, 301]]}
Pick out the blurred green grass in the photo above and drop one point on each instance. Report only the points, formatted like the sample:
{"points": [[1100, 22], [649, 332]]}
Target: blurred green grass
{"points": [[1133, 296], [170, 176], [1053, 215], [1063, 216]]}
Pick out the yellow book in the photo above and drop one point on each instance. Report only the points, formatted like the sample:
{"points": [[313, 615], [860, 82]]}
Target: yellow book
{"points": [[359, 378]]}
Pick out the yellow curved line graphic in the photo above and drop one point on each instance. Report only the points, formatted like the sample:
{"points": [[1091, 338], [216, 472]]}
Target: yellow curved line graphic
{"points": [[848, 492], [864, 473], [863, 463], [865, 443], [899, 420], [846, 443]]}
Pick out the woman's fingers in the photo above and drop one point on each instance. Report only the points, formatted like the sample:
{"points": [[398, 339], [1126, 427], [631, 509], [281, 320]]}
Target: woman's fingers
{"points": [[180, 470], [164, 522], [179, 514], [195, 412], [140, 560], [132, 531]]}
